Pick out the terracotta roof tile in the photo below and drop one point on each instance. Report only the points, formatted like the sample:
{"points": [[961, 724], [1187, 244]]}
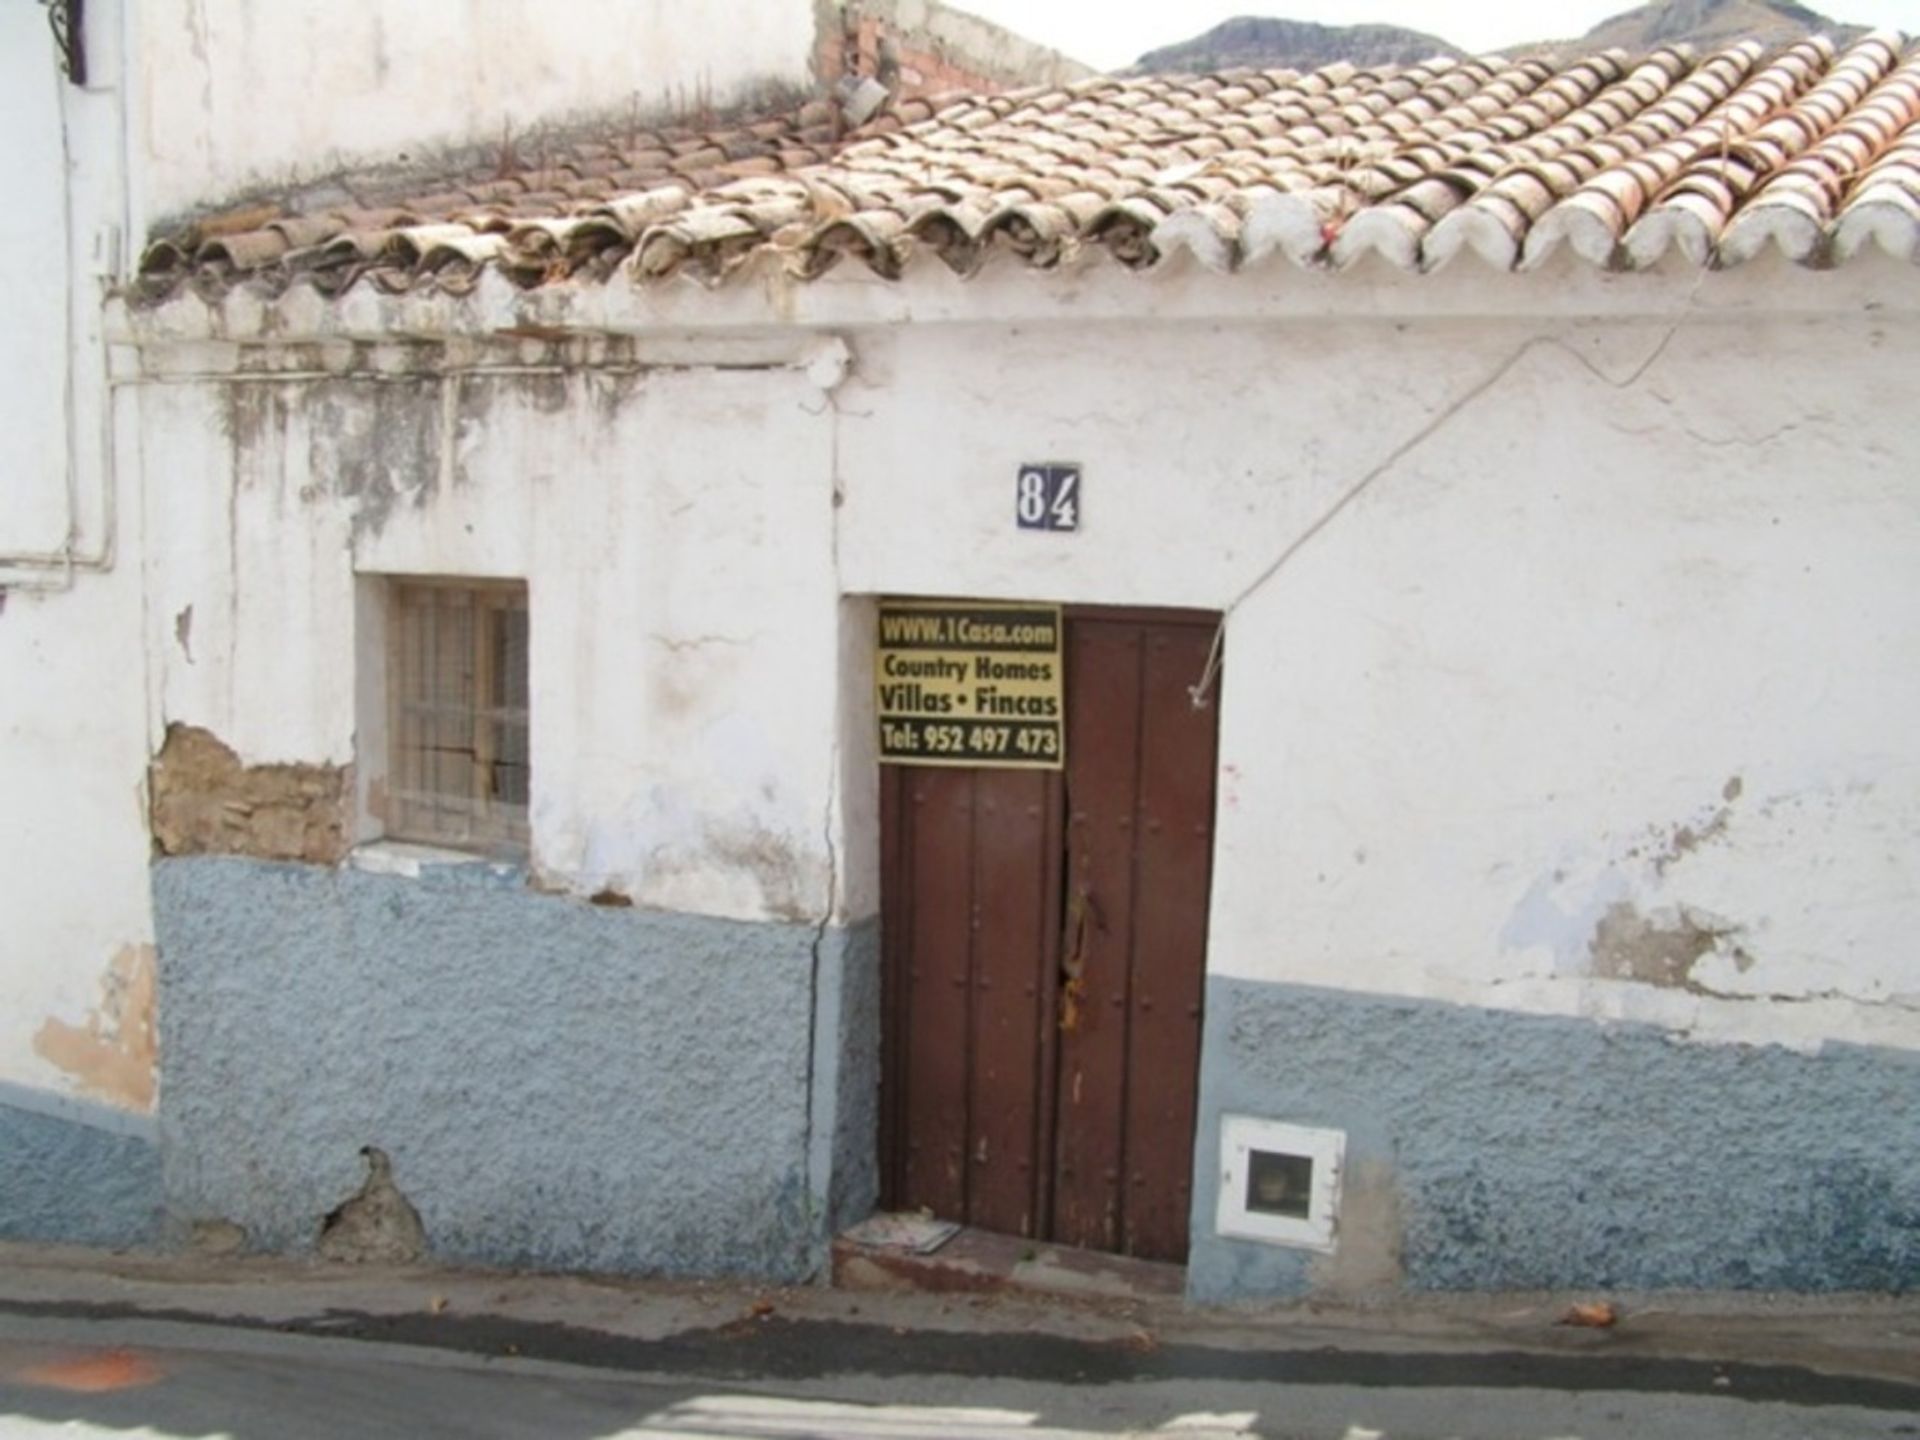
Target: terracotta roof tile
{"points": [[1808, 148]]}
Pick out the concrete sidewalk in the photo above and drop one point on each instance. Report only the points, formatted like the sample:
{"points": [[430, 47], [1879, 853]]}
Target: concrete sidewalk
{"points": [[1702, 1344]]}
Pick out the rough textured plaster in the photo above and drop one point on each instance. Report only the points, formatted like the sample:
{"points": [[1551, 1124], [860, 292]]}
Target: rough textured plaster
{"points": [[849, 1051], [1532, 1152], [113, 1055], [559, 1085], [205, 802], [69, 1178]]}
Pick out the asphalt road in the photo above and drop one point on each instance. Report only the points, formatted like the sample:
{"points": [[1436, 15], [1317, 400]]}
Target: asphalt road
{"points": [[80, 1376]]}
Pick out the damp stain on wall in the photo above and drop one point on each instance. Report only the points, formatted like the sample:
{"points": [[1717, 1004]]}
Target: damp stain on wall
{"points": [[113, 1055], [1661, 948]]}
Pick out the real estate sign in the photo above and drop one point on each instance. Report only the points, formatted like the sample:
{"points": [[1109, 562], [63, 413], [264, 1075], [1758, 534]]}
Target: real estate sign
{"points": [[963, 682]]}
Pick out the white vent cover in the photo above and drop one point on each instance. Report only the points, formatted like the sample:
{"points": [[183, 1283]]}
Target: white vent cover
{"points": [[1279, 1183]]}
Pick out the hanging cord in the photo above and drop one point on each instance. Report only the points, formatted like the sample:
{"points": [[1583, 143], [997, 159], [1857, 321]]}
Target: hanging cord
{"points": [[1200, 691]]}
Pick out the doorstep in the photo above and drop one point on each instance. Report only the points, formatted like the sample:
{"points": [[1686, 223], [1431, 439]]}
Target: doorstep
{"points": [[977, 1261]]}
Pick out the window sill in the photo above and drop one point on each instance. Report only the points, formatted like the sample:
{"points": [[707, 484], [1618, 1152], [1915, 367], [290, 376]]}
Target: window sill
{"points": [[414, 861]]}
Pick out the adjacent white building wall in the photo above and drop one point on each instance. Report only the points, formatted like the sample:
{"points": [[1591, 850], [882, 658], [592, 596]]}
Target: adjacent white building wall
{"points": [[33, 242], [1594, 702], [236, 94], [75, 947], [76, 992]]}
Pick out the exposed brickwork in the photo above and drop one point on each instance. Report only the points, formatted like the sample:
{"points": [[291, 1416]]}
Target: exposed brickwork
{"points": [[865, 45]]}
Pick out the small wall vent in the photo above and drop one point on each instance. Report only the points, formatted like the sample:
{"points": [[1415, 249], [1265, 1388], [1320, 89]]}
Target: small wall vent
{"points": [[1279, 1183]]}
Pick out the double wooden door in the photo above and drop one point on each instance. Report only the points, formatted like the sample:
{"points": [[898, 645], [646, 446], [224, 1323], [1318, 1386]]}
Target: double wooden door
{"points": [[1045, 943]]}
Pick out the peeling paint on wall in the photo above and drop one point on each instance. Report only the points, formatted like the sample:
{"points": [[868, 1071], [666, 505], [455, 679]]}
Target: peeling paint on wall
{"points": [[1662, 948], [381, 443], [114, 1055], [789, 882], [1623, 923], [1366, 1261], [205, 802]]}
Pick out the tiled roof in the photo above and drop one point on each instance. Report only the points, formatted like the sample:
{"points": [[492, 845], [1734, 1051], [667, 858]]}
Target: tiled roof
{"points": [[1814, 150]]}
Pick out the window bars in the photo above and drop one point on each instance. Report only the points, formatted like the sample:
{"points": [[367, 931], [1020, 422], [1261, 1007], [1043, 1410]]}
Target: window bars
{"points": [[458, 763]]}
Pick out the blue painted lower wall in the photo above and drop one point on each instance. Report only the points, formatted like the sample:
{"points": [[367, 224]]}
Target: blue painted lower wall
{"points": [[559, 1085], [573, 1087], [76, 1173], [846, 1160], [1494, 1151]]}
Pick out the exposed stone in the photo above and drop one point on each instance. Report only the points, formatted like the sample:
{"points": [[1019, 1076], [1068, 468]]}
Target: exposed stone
{"points": [[378, 1225], [218, 1237], [205, 802]]}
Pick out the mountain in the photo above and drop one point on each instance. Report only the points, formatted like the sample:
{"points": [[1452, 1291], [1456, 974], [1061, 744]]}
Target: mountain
{"points": [[1291, 44], [1704, 24]]}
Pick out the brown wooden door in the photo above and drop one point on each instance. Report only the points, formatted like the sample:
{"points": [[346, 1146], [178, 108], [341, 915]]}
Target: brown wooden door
{"points": [[1045, 937]]}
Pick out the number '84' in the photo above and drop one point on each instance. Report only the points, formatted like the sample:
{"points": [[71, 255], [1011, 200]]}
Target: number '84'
{"points": [[1047, 497]]}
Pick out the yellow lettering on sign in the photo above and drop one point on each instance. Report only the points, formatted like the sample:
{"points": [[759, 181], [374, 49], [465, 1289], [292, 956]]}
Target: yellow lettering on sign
{"points": [[971, 683]]}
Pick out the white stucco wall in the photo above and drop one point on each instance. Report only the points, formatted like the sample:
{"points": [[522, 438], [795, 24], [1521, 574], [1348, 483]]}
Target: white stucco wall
{"points": [[234, 93], [1595, 661], [33, 228], [674, 529], [75, 918], [1586, 653], [1583, 652], [1585, 640], [73, 841]]}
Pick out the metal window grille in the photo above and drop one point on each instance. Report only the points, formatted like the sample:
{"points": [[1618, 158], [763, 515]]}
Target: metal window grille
{"points": [[457, 687]]}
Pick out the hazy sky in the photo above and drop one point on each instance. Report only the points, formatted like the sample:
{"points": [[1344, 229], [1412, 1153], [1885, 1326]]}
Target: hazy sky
{"points": [[1112, 33]]}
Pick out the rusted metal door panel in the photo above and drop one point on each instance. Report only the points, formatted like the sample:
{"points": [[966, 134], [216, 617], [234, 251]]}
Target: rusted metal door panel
{"points": [[1045, 941]]}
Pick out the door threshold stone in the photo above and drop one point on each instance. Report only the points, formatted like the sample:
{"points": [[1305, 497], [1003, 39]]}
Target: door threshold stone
{"points": [[981, 1261]]}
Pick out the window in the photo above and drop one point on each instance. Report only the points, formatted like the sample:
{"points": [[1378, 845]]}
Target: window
{"points": [[457, 762]]}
